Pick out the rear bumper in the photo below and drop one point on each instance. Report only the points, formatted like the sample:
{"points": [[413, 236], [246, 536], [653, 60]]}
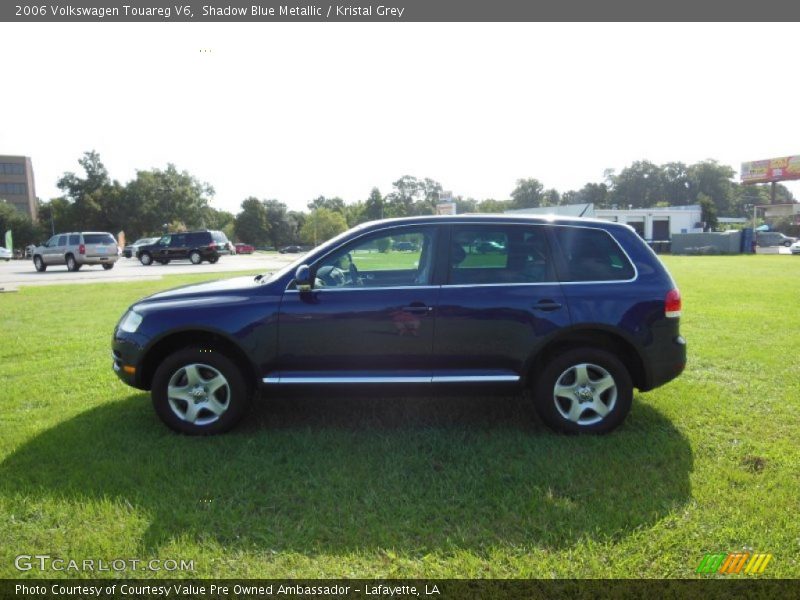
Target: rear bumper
{"points": [[98, 260], [665, 358]]}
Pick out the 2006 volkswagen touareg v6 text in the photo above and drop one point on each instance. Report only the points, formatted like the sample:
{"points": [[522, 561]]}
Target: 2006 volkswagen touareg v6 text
{"points": [[580, 312]]}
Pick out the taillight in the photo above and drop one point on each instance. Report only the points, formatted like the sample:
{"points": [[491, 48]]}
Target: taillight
{"points": [[82, 249], [213, 246], [672, 304]]}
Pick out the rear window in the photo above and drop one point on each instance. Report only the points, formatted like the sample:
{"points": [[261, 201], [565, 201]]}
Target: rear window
{"points": [[74, 239], [98, 238], [219, 237], [591, 255]]}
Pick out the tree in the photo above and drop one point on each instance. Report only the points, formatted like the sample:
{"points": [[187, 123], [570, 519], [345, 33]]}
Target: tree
{"points": [[23, 230], [527, 194], [374, 206], [639, 186], [280, 228], [493, 206], [162, 196], [412, 196], [321, 225], [708, 211], [335, 204], [715, 181], [251, 224], [593, 193]]}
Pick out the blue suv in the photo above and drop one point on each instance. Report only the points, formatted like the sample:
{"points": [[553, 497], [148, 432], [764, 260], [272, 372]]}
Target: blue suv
{"points": [[578, 312]]}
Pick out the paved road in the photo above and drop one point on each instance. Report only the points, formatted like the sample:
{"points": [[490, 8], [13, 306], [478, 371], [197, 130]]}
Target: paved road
{"points": [[17, 273]]}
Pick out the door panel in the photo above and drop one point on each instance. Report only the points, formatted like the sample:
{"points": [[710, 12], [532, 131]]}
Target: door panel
{"points": [[357, 331], [500, 300], [371, 312]]}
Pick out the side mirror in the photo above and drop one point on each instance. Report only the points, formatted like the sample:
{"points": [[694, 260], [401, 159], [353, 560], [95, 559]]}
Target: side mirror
{"points": [[302, 278]]}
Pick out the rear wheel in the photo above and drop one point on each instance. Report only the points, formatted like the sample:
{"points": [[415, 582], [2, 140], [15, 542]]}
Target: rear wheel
{"points": [[72, 264], [584, 391], [213, 259], [146, 259], [199, 392], [787, 243], [164, 262], [108, 266], [39, 263], [195, 257]]}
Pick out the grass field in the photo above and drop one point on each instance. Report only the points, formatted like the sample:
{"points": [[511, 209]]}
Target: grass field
{"points": [[408, 487]]}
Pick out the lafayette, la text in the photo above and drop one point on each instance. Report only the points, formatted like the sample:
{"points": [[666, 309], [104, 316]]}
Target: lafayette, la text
{"points": [[311, 10]]}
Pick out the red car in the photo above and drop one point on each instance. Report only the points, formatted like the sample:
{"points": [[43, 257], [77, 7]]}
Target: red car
{"points": [[244, 248]]}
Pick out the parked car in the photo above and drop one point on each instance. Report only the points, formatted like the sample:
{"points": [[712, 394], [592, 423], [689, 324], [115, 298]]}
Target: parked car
{"points": [[130, 250], [488, 247], [195, 246], [291, 250], [404, 247], [5, 254], [579, 312], [774, 238], [244, 248], [76, 249], [795, 248]]}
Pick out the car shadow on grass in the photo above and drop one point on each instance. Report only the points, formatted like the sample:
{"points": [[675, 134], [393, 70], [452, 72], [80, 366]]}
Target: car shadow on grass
{"points": [[340, 474]]}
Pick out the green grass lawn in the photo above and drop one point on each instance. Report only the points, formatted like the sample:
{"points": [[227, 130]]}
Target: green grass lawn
{"points": [[409, 487]]}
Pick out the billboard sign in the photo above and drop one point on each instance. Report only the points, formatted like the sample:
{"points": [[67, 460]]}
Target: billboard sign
{"points": [[772, 169]]}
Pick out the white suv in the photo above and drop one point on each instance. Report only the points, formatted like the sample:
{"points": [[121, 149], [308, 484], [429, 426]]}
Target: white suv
{"points": [[77, 249]]}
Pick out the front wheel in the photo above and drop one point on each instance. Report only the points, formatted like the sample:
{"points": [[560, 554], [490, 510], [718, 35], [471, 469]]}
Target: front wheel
{"points": [[787, 243], [584, 391], [198, 391], [39, 264]]}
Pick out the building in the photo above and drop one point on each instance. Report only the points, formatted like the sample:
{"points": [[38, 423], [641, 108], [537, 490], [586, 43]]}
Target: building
{"points": [[656, 224], [653, 224], [16, 184]]}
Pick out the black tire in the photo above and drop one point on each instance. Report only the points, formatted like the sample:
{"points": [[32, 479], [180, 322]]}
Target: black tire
{"points": [[146, 259], [591, 366], [108, 266], [235, 399], [787, 243], [164, 262], [72, 264], [38, 264], [213, 259], [195, 257]]}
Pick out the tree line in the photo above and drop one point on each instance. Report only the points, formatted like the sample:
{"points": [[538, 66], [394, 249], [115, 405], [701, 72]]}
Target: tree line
{"points": [[167, 199]]}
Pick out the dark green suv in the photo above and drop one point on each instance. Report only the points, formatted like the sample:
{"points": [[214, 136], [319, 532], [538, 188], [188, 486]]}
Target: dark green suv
{"points": [[195, 246]]}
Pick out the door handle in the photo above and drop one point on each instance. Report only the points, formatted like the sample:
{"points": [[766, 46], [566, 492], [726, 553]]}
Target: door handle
{"points": [[547, 305], [417, 308]]}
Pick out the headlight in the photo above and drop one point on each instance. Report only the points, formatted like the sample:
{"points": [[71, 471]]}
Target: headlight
{"points": [[130, 322]]}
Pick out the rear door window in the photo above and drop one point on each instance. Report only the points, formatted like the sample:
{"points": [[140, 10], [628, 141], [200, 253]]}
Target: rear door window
{"points": [[497, 254], [74, 239], [179, 240], [591, 255]]}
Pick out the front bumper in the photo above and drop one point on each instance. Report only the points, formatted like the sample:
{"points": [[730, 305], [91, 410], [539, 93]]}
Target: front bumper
{"points": [[126, 355]]}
